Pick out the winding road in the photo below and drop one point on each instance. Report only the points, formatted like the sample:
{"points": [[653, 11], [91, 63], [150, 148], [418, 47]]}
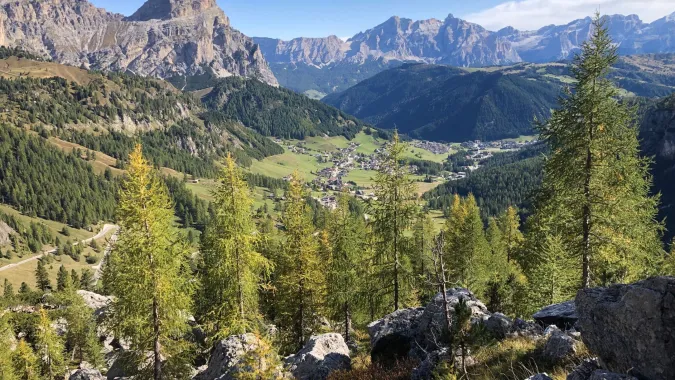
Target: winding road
{"points": [[104, 231]]}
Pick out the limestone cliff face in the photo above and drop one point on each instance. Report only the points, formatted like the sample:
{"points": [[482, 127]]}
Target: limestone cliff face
{"points": [[164, 38]]}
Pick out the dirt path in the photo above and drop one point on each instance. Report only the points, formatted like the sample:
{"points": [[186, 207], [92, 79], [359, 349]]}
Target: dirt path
{"points": [[104, 231]]}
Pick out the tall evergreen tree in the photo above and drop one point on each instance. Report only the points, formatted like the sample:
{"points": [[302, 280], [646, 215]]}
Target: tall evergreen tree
{"points": [[7, 339], [595, 182], [393, 213], [423, 242], [346, 243], [81, 337], [42, 276], [146, 272], [25, 362], [8, 291], [301, 280], [231, 269], [49, 348], [512, 237], [553, 278], [62, 279]]}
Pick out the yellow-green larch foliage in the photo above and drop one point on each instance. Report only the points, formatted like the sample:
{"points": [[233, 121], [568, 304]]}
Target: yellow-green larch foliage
{"points": [[231, 269], [424, 233], [596, 188], [393, 214], [81, 336], [7, 341], [25, 362], [301, 281], [512, 237], [467, 250], [346, 238], [669, 264], [553, 279], [148, 274], [49, 348]]}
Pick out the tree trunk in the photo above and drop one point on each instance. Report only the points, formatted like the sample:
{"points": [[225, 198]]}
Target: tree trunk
{"points": [[156, 348]]}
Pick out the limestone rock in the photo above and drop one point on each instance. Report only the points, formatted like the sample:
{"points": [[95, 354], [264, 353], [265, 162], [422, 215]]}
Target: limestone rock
{"points": [[227, 356], [391, 337], [95, 301], [432, 322], [86, 374], [584, 370], [601, 374], [164, 38], [499, 325], [5, 232], [558, 346], [563, 315], [425, 369], [321, 355], [631, 327]]}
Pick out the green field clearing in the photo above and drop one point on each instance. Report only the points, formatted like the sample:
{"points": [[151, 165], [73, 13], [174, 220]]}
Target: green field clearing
{"points": [[26, 272], [54, 227], [281, 165]]}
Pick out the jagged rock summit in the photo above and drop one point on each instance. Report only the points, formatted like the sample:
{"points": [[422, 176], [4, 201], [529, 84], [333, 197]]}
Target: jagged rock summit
{"points": [[164, 38]]}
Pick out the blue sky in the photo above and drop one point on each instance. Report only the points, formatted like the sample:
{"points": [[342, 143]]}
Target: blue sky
{"points": [[319, 18]]}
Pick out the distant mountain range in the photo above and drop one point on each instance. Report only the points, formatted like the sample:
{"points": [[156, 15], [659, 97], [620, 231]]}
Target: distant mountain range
{"points": [[327, 65], [439, 102], [164, 38]]}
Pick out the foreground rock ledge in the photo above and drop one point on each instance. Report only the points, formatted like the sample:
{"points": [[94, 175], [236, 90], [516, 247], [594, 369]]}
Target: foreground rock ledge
{"points": [[631, 327]]}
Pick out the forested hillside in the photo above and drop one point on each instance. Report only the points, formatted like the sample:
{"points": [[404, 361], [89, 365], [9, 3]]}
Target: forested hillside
{"points": [[450, 104], [278, 112]]}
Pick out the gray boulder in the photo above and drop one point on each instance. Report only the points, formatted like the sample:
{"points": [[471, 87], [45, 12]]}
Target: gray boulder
{"points": [[563, 315], [95, 301], [425, 370], [558, 346], [227, 356], [601, 374], [432, 323], [86, 374], [392, 336], [631, 327], [584, 370], [540, 376], [524, 328], [499, 325], [321, 355]]}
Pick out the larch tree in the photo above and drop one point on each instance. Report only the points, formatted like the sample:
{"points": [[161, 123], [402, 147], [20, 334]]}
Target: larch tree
{"points": [[147, 272], [42, 276], [49, 348], [231, 269], [393, 213], [25, 362], [7, 339], [346, 236], [553, 278], [62, 279], [595, 181], [423, 242], [301, 281], [512, 237], [81, 337]]}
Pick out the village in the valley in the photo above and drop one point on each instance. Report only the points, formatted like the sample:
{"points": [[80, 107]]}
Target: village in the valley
{"points": [[331, 180]]}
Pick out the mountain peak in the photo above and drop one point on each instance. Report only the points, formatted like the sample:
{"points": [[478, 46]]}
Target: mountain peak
{"points": [[169, 9]]}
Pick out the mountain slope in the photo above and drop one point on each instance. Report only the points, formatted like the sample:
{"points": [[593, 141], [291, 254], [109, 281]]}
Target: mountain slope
{"points": [[437, 102], [448, 104], [276, 111], [164, 38], [324, 64]]}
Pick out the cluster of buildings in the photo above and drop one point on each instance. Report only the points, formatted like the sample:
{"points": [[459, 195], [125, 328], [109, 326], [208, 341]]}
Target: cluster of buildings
{"points": [[500, 144], [433, 147]]}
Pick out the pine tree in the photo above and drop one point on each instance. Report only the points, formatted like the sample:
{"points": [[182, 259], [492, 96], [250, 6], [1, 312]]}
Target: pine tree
{"points": [[146, 272], [49, 348], [301, 280], [509, 226], [62, 279], [393, 213], [553, 278], [8, 291], [423, 241], [42, 276], [346, 243], [81, 337], [25, 362], [231, 269], [595, 182], [6, 341], [87, 279], [74, 279]]}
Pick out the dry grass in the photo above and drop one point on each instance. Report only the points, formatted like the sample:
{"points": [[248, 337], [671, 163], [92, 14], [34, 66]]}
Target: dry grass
{"points": [[100, 164], [399, 371], [14, 67]]}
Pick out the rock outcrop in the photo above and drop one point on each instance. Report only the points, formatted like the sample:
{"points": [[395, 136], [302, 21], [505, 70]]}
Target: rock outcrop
{"points": [[86, 374], [499, 325], [631, 328], [584, 370], [5, 233], [321, 355], [563, 315], [392, 336], [99, 303], [164, 38], [227, 356], [558, 346]]}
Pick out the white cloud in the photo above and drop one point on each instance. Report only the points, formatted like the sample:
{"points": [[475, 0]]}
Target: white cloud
{"points": [[533, 14]]}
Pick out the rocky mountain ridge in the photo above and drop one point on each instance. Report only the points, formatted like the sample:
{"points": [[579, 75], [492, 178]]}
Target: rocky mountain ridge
{"points": [[164, 38], [452, 41]]}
